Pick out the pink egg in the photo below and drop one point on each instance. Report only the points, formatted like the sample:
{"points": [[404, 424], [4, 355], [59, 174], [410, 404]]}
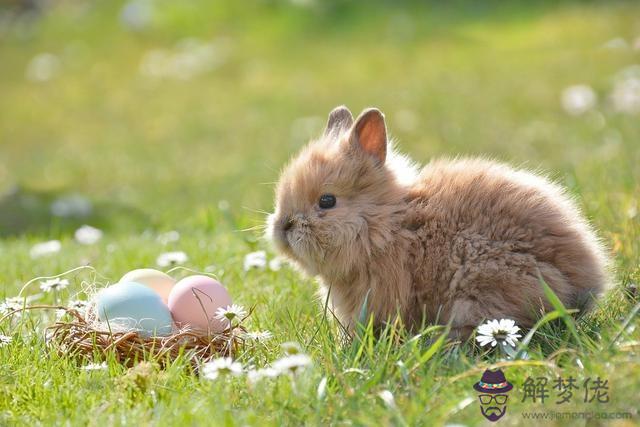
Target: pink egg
{"points": [[193, 302]]}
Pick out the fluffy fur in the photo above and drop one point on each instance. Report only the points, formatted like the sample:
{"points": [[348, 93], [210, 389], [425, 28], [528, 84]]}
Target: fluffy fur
{"points": [[462, 240]]}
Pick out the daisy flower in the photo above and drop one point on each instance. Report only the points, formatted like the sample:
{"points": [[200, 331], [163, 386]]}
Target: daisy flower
{"points": [[221, 366], [95, 366], [626, 93], [5, 340], [321, 392], [259, 335], [171, 258], [256, 375], [88, 235], [255, 260], [55, 284], [230, 312], [291, 347], [168, 237], [11, 304], [578, 99], [387, 398], [503, 331], [358, 371], [45, 248], [292, 364], [43, 67], [275, 264]]}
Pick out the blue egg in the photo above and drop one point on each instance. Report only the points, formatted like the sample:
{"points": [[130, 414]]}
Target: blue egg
{"points": [[134, 306]]}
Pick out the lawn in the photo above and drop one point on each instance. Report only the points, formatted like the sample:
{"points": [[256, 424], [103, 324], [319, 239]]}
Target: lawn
{"points": [[144, 118]]}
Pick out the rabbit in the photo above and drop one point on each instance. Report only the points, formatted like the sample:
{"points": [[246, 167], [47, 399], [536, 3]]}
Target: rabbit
{"points": [[460, 241]]}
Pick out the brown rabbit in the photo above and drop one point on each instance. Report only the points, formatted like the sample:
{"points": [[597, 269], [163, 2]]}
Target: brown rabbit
{"points": [[462, 240]]}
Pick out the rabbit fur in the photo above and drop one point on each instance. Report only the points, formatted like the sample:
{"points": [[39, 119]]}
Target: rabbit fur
{"points": [[459, 241]]}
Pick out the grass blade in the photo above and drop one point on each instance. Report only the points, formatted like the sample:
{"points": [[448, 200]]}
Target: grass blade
{"points": [[524, 344], [362, 318], [625, 324], [559, 307], [431, 351]]}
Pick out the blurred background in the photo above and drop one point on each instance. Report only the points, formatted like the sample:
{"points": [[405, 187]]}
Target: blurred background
{"points": [[155, 114]]}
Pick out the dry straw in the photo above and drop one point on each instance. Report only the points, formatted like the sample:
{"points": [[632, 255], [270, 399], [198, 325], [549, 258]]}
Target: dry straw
{"points": [[80, 334], [79, 337]]}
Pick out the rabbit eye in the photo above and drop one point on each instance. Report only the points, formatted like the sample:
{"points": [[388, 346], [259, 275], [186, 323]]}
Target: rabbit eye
{"points": [[327, 201]]}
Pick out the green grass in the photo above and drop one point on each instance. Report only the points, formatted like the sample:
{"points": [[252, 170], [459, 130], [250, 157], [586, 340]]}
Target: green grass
{"points": [[158, 155]]}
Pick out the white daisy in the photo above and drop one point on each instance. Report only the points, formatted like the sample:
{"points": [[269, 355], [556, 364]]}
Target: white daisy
{"points": [[42, 67], [55, 284], [88, 235], [95, 366], [231, 312], [626, 95], [292, 364], [255, 260], [221, 366], [45, 248], [5, 340], [275, 264], [358, 371], [256, 375], [578, 99], [503, 331], [11, 304], [171, 258], [616, 43], [136, 15], [168, 237], [291, 347], [259, 335], [322, 388], [387, 398]]}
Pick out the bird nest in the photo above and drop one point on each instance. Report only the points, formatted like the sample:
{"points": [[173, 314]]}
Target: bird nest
{"points": [[78, 335]]}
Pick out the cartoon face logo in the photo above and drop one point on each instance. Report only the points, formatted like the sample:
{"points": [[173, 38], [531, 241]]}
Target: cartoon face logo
{"points": [[493, 388]]}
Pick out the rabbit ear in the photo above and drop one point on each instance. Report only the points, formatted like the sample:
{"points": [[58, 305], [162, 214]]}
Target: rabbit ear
{"points": [[340, 119], [370, 134]]}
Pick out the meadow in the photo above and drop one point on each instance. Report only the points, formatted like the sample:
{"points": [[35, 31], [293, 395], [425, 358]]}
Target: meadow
{"points": [[165, 124]]}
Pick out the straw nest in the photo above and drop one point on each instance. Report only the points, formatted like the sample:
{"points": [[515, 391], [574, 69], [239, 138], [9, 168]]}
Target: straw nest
{"points": [[79, 335]]}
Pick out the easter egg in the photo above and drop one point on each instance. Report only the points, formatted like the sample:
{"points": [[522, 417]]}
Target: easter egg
{"points": [[193, 302], [156, 280], [133, 306]]}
